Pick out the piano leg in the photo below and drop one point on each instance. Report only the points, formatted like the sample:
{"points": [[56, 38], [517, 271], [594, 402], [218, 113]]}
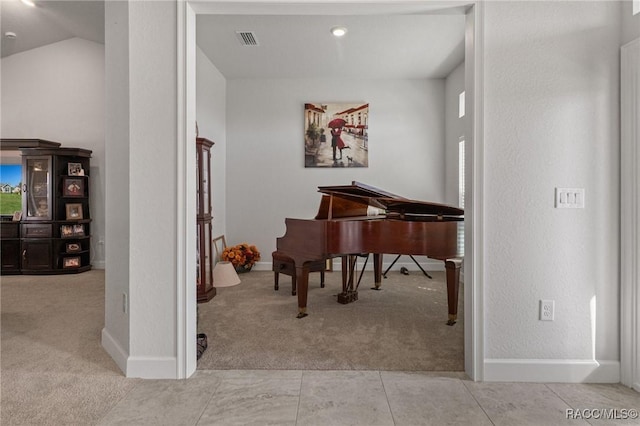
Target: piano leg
{"points": [[453, 285], [302, 282], [377, 270], [345, 271]]}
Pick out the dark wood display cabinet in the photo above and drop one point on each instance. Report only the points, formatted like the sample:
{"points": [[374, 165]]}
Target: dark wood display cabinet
{"points": [[10, 247], [206, 290], [53, 235]]}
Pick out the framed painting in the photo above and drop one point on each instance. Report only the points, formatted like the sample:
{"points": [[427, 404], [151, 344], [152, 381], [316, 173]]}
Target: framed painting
{"points": [[71, 262], [219, 244], [73, 247], [73, 187], [78, 230], [74, 211], [66, 231], [336, 134], [75, 169]]}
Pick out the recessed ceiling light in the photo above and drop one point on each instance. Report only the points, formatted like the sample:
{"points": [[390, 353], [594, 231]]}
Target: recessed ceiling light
{"points": [[338, 31], [28, 3]]}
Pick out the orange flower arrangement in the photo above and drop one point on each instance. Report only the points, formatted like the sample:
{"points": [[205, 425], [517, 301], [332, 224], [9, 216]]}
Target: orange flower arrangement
{"points": [[242, 257]]}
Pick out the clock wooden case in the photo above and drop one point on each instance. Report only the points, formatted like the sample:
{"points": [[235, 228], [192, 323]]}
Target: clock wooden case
{"points": [[206, 291]]}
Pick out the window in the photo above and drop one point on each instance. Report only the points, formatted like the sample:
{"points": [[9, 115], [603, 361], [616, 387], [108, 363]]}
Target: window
{"points": [[461, 192], [461, 173], [461, 106], [636, 7], [10, 184]]}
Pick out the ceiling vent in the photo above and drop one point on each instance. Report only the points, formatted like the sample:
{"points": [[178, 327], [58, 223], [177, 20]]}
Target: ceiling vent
{"points": [[247, 38]]}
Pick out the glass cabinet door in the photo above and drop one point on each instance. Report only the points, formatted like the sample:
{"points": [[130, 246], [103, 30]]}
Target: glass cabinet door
{"points": [[37, 188], [203, 175], [207, 257], [206, 185], [205, 290], [199, 180]]}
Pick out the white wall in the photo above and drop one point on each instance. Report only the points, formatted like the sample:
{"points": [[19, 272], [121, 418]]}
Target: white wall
{"points": [[211, 115], [629, 191], [153, 187], [56, 92], [153, 239], [630, 22], [266, 177], [454, 129], [147, 131], [115, 334], [551, 119]]}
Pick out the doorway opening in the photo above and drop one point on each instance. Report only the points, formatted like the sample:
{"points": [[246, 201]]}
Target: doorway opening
{"points": [[473, 158]]}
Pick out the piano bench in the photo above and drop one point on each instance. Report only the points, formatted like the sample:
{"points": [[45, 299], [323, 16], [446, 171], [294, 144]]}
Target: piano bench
{"points": [[285, 265]]}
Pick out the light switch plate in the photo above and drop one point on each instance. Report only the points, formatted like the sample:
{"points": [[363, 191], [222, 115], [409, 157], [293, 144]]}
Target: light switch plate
{"points": [[570, 198]]}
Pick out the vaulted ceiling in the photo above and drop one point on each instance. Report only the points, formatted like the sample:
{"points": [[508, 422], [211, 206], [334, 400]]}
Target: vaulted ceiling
{"points": [[49, 22]]}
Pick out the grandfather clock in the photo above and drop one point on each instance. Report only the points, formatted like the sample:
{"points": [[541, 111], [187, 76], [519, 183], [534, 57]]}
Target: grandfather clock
{"points": [[204, 256]]}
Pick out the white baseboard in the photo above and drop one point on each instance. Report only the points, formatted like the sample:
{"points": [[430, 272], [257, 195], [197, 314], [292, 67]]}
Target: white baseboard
{"points": [[551, 371], [152, 367], [100, 264], [139, 367], [114, 349]]}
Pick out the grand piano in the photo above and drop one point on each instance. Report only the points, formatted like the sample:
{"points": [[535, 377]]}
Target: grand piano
{"points": [[360, 219]]}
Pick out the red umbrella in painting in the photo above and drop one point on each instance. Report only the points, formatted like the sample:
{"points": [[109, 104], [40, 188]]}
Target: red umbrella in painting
{"points": [[336, 123]]}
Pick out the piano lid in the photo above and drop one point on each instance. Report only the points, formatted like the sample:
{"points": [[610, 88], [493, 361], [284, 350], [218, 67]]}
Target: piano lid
{"points": [[358, 189], [368, 195], [413, 207], [360, 193]]}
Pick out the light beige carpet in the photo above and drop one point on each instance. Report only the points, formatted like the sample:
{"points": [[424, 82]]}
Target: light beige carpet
{"points": [[402, 327], [53, 370]]}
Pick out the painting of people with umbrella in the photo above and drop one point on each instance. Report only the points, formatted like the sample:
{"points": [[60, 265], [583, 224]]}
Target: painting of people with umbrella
{"points": [[336, 126], [347, 124]]}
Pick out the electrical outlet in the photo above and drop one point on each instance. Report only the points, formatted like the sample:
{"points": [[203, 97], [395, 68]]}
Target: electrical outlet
{"points": [[125, 303], [547, 310]]}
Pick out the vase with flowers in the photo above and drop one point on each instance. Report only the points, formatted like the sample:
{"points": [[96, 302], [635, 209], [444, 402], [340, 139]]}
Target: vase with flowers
{"points": [[242, 257]]}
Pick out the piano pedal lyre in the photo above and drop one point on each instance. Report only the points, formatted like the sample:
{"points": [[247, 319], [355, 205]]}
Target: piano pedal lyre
{"points": [[349, 294], [347, 297]]}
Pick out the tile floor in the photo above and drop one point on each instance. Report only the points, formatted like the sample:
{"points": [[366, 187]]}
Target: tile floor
{"points": [[271, 397]]}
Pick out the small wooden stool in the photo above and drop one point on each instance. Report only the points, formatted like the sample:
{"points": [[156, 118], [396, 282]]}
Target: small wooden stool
{"points": [[284, 265]]}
